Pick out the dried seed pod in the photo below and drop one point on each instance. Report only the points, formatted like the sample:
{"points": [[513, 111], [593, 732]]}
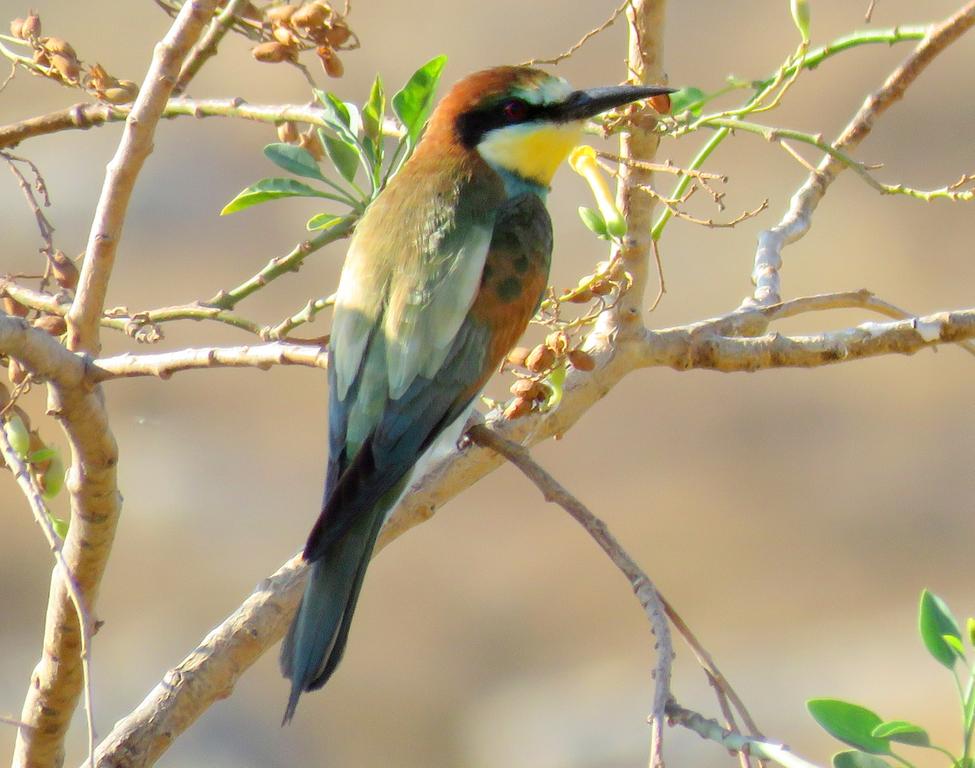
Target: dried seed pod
{"points": [[58, 45], [558, 342], [284, 35], [287, 132], [541, 358], [518, 355], [41, 58], [67, 66], [250, 12], [527, 388], [310, 15], [280, 14], [331, 62], [580, 360], [13, 307], [17, 29], [64, 270], [661, 103], [517, 408], [271, 52], [309, 140], [583, 296], [338, 34], [31, 28], [99, 79], [601, 287], [52, 324], [16, 372]]}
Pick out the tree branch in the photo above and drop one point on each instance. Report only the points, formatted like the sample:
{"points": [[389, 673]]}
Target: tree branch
{"points": [[798, 219], [643, 587], [736, 742], [57, 679], [122, 171], [645, 64]]}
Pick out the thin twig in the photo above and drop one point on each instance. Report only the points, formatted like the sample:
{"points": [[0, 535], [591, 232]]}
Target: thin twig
{"points": [[712, 730], [207, 47], [798, 219], [646, 592], [582, 41]]}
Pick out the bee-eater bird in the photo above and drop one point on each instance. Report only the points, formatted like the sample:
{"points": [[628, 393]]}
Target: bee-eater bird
{"points": [[444, 271]]}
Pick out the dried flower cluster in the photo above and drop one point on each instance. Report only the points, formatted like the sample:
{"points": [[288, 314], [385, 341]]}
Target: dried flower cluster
{"points": [[537, 368], [55, 58], [308, 140], [289, 29]]}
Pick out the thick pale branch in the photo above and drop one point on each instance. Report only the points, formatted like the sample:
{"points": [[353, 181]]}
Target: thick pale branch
{"points": [[165, 364], [167, 710], [122, 171], [56, 682], [645, 63], [798, 219]]}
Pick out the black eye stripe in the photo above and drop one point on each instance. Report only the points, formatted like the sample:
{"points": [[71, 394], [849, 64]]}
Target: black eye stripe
{"points": [[472, 125]]}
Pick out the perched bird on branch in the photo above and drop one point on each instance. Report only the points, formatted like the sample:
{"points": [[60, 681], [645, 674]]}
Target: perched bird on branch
{"points": [[444, 271]]}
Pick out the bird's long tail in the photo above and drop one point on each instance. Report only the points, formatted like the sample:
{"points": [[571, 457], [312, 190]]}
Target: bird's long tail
{"points": [[316, 640]]}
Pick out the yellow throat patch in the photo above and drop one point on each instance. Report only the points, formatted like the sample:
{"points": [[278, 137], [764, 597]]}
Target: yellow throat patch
{"points": [[534, 151]]}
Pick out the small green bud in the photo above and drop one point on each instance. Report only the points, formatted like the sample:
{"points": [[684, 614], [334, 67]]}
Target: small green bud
{"points": [[800, 15], [17, 435]]}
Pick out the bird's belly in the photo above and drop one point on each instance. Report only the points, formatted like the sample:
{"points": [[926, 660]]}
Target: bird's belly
{"points": [[442, 446]]}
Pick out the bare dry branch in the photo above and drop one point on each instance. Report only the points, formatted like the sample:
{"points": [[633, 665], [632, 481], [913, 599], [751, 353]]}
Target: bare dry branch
{"points": [[56, 682], [643, 587], [645, 20], [122, 171], [165, 364], [582, 41], [736, 742], [798, 219]]}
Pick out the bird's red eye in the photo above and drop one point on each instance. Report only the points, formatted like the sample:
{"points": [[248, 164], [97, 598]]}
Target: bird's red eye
{"points": [[515, 111]]}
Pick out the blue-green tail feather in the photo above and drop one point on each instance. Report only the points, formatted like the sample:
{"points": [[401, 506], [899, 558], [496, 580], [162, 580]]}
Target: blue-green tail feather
{"points": [[316, 640]]}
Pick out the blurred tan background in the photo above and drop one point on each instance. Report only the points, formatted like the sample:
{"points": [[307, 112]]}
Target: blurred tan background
{"points": [[792, 516]]}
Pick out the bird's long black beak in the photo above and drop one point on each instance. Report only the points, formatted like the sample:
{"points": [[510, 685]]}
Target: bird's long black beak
{"points": [[582, 105]]}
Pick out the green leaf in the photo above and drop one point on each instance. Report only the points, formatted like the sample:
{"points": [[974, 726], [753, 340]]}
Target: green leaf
{"points": [[374, 111], [323, 221], [337, 116], [934, 622], [955, 644], [849, 723], [52, 481], [594, 221], [60, 526], [685, 98], [970, 624], [344, 156], [41, 454], [270, 189], [556, 384], [801, 16], [17, 435], [296, 160], [413, 103], [902, 732], [855, 759]]}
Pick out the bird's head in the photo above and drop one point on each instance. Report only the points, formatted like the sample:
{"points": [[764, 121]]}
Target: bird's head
{"points": [[523, 121]]}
